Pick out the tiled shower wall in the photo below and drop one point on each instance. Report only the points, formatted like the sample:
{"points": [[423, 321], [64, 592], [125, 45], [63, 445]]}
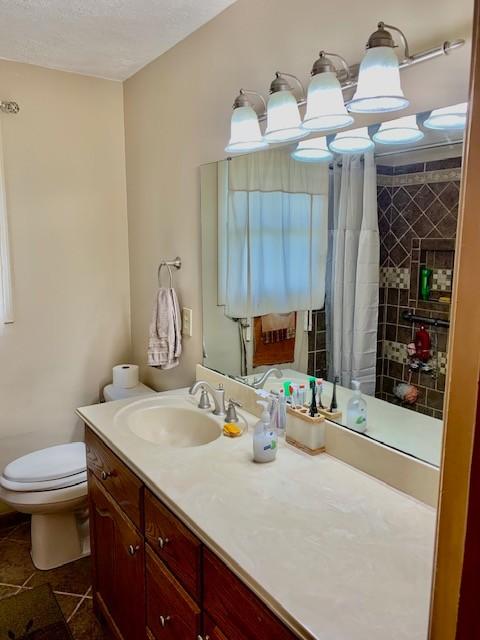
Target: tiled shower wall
{"points": [[417, 216], [317, 346]]}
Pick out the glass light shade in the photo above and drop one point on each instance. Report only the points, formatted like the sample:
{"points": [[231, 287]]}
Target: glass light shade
{"points": [[453, 117], [325, 106], [378, 87], [283, 118], [399, 131], [245, 134], [352, 141], [312, 150]]}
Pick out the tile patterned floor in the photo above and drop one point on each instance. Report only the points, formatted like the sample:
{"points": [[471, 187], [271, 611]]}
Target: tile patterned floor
{"points": [[70, 583]]}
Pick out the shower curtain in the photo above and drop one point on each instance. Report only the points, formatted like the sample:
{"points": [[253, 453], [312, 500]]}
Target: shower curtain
{"points": [[353, 272]]}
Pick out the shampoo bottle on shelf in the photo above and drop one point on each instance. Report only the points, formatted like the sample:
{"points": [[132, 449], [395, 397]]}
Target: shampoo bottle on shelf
{"points": [[357, 410], [264, 437]]}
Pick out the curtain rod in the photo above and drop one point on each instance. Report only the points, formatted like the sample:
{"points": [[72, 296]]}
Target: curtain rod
{"points": [[426, 147], [8, 106]]}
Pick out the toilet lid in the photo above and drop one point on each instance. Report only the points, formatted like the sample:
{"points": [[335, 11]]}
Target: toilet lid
{"points": [[53, 463]]}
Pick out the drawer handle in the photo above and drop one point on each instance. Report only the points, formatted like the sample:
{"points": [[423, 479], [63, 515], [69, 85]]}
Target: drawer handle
{"points": [[132, 550], [162, 542], [106, 474], [164, 620]]}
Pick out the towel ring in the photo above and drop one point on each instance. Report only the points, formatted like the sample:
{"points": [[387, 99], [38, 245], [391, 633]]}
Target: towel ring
{"points": [[177, 263]]}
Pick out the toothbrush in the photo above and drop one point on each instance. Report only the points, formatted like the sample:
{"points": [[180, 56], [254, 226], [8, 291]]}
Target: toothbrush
{"points": [[333, 405]]}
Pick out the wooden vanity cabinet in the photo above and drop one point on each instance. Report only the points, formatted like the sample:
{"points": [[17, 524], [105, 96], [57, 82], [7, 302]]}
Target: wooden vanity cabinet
{"points": [[152, 578]]}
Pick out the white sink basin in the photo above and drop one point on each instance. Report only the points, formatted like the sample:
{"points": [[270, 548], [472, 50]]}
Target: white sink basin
{"points": [[169, 422]]}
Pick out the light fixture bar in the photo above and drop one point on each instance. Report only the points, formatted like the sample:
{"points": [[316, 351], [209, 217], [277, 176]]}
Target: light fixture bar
{"points": [[8, 106], [416, 58]]}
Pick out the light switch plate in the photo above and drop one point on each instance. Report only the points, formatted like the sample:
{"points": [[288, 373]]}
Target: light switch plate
{"points": [[187, 322]]}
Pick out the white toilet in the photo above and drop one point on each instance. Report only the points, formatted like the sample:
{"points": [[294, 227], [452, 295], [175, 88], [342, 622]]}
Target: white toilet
{"points": [[51, 485]]}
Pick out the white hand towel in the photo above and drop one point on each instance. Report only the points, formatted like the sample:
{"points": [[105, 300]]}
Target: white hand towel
{"points": [[165, 339]]}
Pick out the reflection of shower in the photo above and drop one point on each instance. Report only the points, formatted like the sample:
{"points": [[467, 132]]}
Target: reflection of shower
{"points": [[243, 325]]}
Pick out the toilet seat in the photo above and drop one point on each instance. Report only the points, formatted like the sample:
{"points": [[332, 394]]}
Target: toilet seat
{"points": [[43, 501], [48, 469], [47, 485]]}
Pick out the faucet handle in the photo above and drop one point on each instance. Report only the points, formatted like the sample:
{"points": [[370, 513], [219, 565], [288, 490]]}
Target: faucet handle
{"points": [[204, 402], [231, 415]]}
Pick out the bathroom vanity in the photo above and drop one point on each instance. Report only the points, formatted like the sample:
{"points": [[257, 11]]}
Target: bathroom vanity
{"points": [[198, 541], [152, 575]]}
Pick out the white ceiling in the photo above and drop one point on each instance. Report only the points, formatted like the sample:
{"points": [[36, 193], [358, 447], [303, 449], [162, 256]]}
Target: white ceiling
{"points": [[105, 38]]}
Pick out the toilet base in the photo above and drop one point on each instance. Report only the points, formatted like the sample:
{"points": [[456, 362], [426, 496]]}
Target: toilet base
{"points": [[59, 538]]}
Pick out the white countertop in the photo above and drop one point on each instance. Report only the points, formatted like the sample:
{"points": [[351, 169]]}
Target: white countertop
{"points": [[333, 552]]}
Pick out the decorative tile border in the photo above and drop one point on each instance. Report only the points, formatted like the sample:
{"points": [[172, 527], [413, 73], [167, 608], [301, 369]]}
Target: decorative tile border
{"points": [[442, 280], [397, 352], [422, 177], [395, 278]]}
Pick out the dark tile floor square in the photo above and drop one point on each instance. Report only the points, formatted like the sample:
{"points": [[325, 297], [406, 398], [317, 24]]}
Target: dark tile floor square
{"points": [[70, 583]]}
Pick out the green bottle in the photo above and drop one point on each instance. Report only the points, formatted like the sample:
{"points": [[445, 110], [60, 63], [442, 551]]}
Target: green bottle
{"points": [[425, 274]]}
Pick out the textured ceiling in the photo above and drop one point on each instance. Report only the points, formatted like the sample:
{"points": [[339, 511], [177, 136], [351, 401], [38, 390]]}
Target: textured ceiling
{"points": [[106, 38]]}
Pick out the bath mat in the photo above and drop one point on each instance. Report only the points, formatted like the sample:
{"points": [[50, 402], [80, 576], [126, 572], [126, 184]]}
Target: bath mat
{"points": [[33, 615]]}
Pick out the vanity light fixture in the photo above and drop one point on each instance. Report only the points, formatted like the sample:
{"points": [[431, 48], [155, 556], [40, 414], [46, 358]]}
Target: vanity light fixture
{"points": [[352, 141], [245, 134], [283, 116], [402, 130], [325, 104], [378, 87], [452, 118], [312, 150]]}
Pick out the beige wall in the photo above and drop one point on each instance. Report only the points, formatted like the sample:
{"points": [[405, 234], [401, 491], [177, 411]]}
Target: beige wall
{"points": [[177, 117], [65, 179]]}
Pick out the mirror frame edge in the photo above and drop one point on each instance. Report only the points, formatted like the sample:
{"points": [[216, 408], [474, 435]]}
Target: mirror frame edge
{"points": [[452, 613]]}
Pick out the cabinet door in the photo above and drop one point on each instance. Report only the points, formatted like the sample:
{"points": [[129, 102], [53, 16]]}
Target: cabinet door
{"points": [[237, 611], [118, 555], [211, 631]]}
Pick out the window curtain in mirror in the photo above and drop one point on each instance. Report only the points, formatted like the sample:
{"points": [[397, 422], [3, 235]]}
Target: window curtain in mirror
{"points": [[353, 273], [273, 225], [6, 297]]}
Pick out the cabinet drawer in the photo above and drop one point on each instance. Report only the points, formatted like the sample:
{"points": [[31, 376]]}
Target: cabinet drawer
{"points": [[171, 613], [210, 630], [115, 477], [234, 608], [175, 545]]}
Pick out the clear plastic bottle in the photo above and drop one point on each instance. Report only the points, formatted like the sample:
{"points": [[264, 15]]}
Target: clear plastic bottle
{"points": [[302, 395], [265, 437], [357, 410], [282, 413]]}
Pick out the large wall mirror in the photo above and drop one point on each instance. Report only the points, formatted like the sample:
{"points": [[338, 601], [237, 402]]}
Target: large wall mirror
{"points": [[338, 268]]}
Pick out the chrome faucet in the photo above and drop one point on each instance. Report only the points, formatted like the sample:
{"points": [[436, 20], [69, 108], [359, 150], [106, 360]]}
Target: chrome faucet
{"points": [[258, 383], [218, 396]]}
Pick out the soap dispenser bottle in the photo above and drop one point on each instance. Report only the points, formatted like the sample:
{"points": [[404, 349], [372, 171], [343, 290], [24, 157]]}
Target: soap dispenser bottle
{"points": [[357, 410], [264, 437]]}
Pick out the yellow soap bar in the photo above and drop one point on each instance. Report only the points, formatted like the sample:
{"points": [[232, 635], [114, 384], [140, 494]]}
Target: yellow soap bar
{"points": [[231, 430]]}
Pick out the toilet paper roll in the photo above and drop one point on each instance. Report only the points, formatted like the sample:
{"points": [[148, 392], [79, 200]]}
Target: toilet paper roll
{"points": [[125, 376]]}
